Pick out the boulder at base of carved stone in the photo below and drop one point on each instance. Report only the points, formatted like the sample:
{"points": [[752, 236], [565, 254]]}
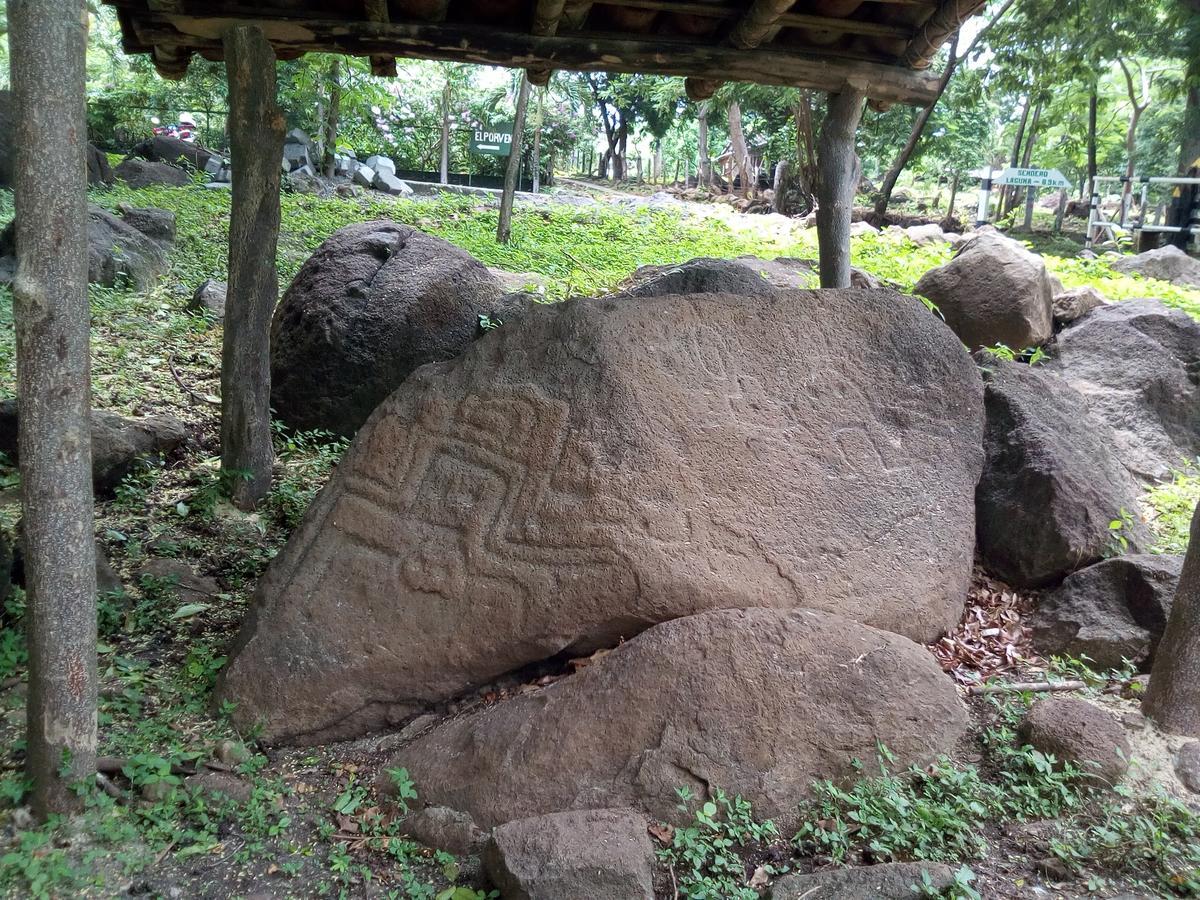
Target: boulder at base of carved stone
{"points": [[595, 854], [883, 881], [606, 465], [1080, 733], [1136, 364], [1113, 611], [758, 702], [375, 301], [1167, 263], [1051, 484], [994, 291]]}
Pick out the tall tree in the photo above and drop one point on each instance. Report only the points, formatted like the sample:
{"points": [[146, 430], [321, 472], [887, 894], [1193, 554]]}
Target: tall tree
{"points": [[1173, 697], [50, 308]]}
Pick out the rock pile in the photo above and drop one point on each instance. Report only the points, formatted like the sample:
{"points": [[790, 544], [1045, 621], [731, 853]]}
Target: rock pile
{"points": [[130, 247]]}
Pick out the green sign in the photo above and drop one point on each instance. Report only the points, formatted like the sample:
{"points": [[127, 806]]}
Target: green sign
{"points": [[1033, 178], [492, 139]]}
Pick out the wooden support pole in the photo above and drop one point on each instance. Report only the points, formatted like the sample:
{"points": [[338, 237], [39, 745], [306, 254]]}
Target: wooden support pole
{"points": [[256, 141], [837, 179], [377, 11], [546, 16], [48, 40], [504, 228]]}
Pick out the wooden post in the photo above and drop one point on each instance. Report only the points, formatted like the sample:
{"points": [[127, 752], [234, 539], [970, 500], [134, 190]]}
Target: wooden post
{"points": [[504, 228], [50, 308], [256, 142], [836, 183]]}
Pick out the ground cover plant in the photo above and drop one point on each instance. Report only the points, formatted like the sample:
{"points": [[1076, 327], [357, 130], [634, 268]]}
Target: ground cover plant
{"points": [[311, 818]]}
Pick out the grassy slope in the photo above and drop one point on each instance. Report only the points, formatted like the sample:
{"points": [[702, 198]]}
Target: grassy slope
{"points": [[158, 659]]}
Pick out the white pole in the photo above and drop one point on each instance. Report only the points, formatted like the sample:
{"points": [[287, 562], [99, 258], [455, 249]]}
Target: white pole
{"points": [[985, 195]]}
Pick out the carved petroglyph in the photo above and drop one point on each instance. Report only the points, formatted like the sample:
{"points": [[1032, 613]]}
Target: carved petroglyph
{"points": [[606, 465]]}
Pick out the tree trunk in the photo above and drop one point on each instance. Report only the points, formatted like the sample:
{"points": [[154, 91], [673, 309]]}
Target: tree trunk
{"points": [[256, 138], [1093, 111], [838, 177], [537, 142], [953, 196], [332, 114], [737, 142], [550, 169], [1189, 147], [48, 41], [1010, 192], [914, 135], [444, 171], [504, 228], [656, 172], [1173, 697], [704, 170], [1027, 161]]}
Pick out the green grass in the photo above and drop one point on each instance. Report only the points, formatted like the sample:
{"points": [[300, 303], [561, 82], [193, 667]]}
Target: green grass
{"points": [[1172, 504]]}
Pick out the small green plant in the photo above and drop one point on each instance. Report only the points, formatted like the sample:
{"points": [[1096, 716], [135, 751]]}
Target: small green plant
{"points": [[705, 856], [406, 789], [1119, 530], [961, 889], [487, 323]]}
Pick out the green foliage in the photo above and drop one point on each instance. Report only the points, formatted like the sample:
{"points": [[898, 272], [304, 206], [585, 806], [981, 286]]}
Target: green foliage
{"points": [[935, 813], [1172, 504], [1030, 355], [706, 856], [1154, 840], [1114, 285], [927, 814]]}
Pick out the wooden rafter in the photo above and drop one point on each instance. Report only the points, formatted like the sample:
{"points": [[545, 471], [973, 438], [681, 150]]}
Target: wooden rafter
{"points": [[946, 20], [377, 11], [760, 21], [489, 46]]}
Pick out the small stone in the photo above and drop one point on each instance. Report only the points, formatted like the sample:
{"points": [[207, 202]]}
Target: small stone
{"points": [[155, 791], [597, 854], [1187, 766], [22, 819], [217, 786], [1052, 869], [209, 299], [446, 829], [232, 753]]}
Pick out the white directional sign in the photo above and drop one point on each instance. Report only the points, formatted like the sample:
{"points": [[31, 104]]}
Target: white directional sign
{"points": [[1033, 178]]}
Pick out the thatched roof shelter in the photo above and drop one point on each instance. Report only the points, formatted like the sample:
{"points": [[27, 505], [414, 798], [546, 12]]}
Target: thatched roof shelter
{"points": [[879, 48]]}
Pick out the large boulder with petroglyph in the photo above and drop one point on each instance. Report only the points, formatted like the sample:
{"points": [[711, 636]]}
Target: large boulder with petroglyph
{"points": [[756, 702], [604, 465]]}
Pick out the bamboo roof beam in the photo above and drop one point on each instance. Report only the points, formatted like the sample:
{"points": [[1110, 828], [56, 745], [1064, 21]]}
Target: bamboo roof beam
{"points": [[575, 13], [488, 46], [784, 20], [760, 22], [377, 11], [946, 20]]}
